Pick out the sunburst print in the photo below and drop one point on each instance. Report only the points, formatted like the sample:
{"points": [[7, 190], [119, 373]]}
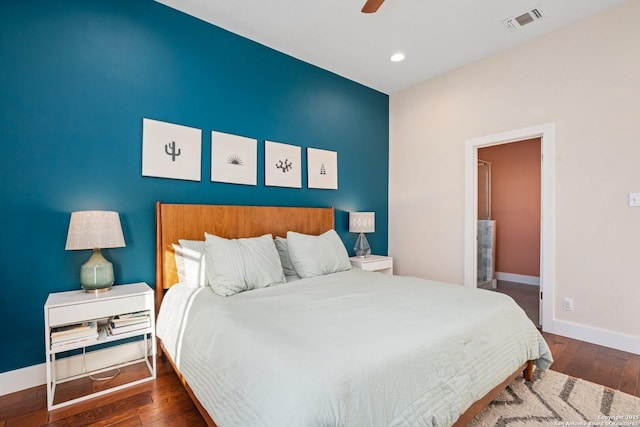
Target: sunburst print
{"points": [[235, 159]]}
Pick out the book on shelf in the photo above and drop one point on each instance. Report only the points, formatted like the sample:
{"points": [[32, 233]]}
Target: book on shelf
{"points": [[130, 318], [70, 342], [134, 315], [70, 329], [117, 321], [115, 329], [66, 335]]}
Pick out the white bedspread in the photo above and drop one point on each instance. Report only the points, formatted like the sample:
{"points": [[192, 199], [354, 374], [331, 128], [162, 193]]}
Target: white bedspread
{"points": [[348, 349]]}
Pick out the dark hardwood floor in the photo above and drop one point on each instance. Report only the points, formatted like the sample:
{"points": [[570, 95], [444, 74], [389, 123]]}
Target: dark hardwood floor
{"points": [[164, 402], [525, 295], [612, 368]]}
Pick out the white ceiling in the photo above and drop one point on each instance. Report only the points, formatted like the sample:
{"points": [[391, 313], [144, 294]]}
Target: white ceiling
{"points": [[436, 35]]}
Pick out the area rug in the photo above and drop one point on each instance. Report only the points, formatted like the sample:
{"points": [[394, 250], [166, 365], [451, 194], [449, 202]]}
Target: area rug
{"points": [[555, 399]]}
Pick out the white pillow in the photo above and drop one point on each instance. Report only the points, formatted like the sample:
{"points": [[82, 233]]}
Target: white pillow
{"points": [[285, 260], [190, 262], [237, 265], [317, 255], [177, 252]]}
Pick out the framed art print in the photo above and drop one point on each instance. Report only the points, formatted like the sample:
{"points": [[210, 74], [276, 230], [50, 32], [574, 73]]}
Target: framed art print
{"points": [[282, 165], [171, 151], [322, 169], [234, 159]]}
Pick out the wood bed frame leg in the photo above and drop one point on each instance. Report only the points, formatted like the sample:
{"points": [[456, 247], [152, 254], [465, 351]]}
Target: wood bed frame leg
{"points": [[528, 371], [159, 350]]}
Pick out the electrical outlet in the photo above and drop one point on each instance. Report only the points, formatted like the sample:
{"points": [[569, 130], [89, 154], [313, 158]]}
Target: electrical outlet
{"points": [[634, 199], [568, 304]]}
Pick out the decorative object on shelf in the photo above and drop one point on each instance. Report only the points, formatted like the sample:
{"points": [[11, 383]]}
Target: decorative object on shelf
{"points": [[362, 222], [95, 230], [282, 165], [322, 169], [171, 151], [234, 159]]}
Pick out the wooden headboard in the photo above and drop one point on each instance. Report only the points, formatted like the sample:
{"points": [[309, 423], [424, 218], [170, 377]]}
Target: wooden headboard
{"points": [[185, 221]]}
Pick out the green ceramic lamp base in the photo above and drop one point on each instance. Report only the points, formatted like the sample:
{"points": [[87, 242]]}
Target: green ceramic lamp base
{"points": [[96, 275]]}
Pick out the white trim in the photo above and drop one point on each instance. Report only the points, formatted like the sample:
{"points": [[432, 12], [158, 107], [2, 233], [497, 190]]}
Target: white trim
{"points": [[23, 378], [547, 234], [35, 375], [518, 278], [619, 341]]}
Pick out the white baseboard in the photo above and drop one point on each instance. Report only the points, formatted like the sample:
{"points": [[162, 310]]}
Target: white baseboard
{"points": [[518, 278], [23, 378], [33, 376], [619, 341]]}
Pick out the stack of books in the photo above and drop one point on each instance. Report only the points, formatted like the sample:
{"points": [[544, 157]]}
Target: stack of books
{"points": [[129, 322], [62, 336]]}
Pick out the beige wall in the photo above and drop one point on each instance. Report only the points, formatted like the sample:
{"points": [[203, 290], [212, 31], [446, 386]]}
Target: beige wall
{"points": [[586, 79]]}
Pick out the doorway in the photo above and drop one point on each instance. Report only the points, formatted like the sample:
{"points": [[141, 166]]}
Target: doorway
{"points": [[509, 222], [547, 134]]}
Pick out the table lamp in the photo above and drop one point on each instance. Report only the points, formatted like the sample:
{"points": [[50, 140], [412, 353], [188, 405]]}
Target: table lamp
{"points": [[95, 230], [362, 222]]}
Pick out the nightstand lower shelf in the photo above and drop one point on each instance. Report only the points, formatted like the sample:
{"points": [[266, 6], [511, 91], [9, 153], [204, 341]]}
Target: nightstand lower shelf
{"points": [[74, 389]]}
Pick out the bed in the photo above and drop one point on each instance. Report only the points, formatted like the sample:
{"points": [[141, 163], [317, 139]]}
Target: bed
{"points": [[347, 348]]}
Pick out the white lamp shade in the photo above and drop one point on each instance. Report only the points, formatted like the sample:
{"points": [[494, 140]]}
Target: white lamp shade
{"points": [[94, 229], [362, 222]]}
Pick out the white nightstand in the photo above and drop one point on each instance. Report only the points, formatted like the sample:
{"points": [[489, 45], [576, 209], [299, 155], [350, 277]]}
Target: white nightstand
{"points": [[382, 264], [74, 307]]}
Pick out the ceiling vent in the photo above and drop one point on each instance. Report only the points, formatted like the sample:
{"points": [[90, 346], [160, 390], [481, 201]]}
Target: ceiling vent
{"points": [[524, 19]]}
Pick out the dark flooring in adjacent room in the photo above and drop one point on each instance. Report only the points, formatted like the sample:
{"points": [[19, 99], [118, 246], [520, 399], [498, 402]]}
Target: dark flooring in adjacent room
{"points": [[526, 296]]}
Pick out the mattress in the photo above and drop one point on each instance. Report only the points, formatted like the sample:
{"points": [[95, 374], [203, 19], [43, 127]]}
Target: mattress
{"points": [[354, 348]]}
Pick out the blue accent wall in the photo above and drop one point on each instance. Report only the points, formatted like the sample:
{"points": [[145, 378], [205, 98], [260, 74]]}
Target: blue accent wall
{"points": [[76, 80]]}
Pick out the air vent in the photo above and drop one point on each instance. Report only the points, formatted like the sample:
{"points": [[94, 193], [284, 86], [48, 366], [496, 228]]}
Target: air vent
{"points": [[524, 19]]}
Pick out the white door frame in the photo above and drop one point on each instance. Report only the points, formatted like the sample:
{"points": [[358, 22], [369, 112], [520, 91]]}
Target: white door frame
{"points": [[547, 240]]}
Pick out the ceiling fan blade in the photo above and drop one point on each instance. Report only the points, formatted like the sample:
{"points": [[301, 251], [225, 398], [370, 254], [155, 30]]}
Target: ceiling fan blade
{"points": [[371, 6]]}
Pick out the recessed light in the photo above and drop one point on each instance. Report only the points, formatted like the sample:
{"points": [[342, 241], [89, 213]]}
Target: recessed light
{"points": [[397, 57]]}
